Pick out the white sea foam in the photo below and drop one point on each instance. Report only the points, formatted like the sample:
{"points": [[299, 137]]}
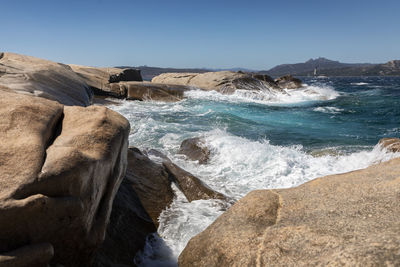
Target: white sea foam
{"points": [[360, 83], [238, 166], [330, 110], [287, 96]]}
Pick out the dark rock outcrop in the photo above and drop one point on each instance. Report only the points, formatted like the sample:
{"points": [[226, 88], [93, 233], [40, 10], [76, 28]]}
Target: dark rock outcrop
{"points": [[192, 187], [60, 168], [288, 82], [390, 144], [151, 183], [43, 78], [126, 75], [195, 149], [127, 231], [349, 219]]}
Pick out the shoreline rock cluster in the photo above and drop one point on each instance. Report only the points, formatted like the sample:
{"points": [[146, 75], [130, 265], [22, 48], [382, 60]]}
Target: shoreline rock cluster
{"points": [[73, 193], [170, 87]]}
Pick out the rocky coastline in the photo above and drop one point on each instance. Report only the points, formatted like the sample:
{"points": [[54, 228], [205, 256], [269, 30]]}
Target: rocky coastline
{"points": [[73, 192]]}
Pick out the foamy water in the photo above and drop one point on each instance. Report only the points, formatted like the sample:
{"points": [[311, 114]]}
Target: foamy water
{"points": [[238, 166], [258, 140], [269, 97]]}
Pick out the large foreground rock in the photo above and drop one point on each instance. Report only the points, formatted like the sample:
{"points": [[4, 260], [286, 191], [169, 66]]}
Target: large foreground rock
{"points": [[60, 168], [43, 78], [104, 81], [350, 219]]}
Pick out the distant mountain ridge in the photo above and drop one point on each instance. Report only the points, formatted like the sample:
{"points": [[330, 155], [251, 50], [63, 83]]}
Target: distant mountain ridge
{"points": [[326, 67], [309, 66]]}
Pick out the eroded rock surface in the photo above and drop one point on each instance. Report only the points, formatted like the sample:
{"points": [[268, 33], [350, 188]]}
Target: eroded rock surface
{"points": [[152, 91], [222, 81], [390, 144], [104, 81], [288, 82], [60, 168], [43, 78], [348, 219]]}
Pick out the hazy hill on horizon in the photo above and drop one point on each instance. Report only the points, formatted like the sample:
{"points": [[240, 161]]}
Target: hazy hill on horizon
{"points": [[309, 66], [324, 66]]}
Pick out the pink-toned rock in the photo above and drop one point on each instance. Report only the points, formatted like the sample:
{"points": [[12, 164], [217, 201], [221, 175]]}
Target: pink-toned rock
{"points": [[60, 168], [43, 78], [349, 219]]}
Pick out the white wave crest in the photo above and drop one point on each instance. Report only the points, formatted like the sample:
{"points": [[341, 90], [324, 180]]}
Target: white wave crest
{"points": [[270, 97], [360, 83], [330, 110]]}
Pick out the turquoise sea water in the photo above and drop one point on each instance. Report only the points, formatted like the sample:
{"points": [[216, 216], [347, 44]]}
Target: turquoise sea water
{"points": [[263, 140]]}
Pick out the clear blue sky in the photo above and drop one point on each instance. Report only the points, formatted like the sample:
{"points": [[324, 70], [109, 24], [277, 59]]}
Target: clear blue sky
{"points": [[216, 34]]}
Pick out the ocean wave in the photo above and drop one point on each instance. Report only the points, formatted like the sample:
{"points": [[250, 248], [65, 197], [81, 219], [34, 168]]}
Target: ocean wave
{"points": [[286, 96], [236, 167]]}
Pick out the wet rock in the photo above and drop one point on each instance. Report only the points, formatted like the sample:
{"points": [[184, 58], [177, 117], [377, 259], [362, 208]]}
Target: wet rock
{"points": [[339, 220], [151, 183], [192, 187], [43, 78], [195, 149], [288, 82], [60, 168], [390, 144]]}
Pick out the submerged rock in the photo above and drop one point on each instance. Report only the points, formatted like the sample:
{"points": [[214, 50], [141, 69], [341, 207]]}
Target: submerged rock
{"points": [[195, 149], [288, 82], [347, 219], [43, 78], [390, 144], [60, 168]]}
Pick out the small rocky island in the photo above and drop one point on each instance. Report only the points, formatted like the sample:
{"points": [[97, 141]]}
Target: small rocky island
{"points": [[73, 192]]}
